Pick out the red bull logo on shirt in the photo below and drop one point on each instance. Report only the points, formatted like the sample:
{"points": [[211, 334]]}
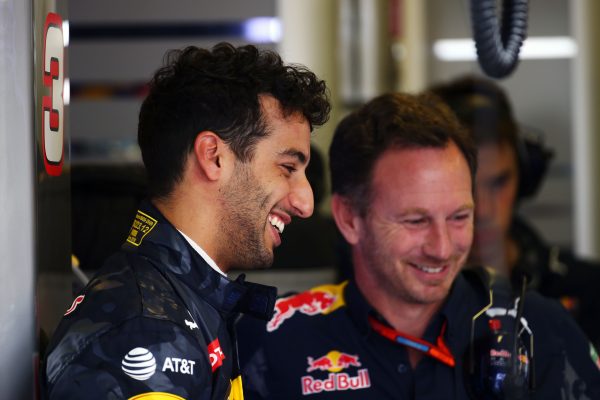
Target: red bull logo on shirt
{"points": [[320, 300], [334, 362]]}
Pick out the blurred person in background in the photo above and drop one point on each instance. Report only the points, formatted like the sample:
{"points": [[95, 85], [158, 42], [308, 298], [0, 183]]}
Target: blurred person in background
{"points": [[511, 168]]}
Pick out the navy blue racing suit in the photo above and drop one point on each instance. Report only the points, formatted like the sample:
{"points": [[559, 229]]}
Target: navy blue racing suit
{"points": [[155, 322]]}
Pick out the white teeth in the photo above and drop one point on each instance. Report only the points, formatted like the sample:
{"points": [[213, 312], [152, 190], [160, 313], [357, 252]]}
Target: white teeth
{"points": [[429, 270], [277, 223]]}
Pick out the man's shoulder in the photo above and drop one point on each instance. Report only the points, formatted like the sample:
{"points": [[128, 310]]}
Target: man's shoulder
{"points": [[124, 299], [129, 285], [547, 312], [498, 288], [544, 316], [136, 356]]}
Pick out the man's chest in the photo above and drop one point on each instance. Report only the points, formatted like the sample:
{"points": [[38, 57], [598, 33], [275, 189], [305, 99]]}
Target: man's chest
{"points": [[357, 368]]}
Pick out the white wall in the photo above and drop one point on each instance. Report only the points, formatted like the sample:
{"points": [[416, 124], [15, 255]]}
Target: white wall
{"points": [[16, 202]]}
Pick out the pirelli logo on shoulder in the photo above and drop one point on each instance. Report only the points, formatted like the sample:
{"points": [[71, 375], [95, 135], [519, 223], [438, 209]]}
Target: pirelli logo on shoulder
{"points": [[142, 225]]}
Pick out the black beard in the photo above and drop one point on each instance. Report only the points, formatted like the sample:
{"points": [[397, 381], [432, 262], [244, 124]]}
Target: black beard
{"points": [[242, 229]]}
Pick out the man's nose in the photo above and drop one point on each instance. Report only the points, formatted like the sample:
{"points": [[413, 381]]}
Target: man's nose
{"points": [[439, 243], [301, 198]]}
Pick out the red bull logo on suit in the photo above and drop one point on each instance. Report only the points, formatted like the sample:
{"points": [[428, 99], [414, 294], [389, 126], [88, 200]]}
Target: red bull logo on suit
{"points": [[320, 300], [334, 362]]}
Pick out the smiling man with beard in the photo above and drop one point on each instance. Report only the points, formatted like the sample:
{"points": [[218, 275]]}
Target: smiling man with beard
{"points": [[225, 139], [412, 323]]}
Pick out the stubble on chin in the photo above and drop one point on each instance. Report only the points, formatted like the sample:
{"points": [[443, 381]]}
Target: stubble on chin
{"points": [[242, 229]]}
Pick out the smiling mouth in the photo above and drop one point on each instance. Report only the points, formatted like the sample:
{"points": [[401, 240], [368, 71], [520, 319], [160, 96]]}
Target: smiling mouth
{"points": [[428, 269], [277, 223]]}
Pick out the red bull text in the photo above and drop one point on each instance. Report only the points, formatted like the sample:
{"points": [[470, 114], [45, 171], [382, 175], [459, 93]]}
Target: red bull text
{"points": [[334, 362], [336, 382]]}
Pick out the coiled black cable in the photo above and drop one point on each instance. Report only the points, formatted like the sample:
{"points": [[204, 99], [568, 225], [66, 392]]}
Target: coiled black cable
{"points": [[498, 42]]}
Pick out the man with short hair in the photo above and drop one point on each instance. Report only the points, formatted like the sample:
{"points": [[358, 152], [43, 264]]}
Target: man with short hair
{"points": [[411, 323], [225, 139]]}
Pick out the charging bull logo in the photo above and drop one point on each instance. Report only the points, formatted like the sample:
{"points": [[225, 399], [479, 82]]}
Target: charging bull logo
{"points": [[334, 362], [320, 300]]}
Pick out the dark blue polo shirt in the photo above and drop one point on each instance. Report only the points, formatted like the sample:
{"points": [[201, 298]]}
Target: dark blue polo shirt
{"points": [[320, 345]]}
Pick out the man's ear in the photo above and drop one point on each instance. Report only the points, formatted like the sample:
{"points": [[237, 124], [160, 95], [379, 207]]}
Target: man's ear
{"points": [[346, 218], [209, 152]]}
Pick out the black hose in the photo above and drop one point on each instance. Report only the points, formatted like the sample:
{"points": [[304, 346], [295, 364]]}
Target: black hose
{"points": [[498, 45]]}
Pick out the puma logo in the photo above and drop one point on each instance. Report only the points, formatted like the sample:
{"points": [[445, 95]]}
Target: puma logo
{"points": [[191, 324]]}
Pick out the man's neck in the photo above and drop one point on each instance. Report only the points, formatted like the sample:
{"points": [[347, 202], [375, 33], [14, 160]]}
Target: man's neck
{"points": [[192, 222], [411, 319], [407, 317]]}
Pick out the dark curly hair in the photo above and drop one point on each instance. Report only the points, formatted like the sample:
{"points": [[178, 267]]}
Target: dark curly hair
{"points": [[218, 90], [390, 121]]}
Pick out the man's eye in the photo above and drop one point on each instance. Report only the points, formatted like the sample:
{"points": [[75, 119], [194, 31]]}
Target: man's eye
{"points": [[500, 181], [461, 217], [289, 168], [415, 221]]}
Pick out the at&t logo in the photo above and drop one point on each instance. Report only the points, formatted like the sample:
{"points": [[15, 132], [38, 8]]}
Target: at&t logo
{"points": [[139, 364]]}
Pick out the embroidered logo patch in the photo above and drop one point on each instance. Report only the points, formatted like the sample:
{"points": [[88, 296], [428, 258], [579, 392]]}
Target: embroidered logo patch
{"points": [[179, 365], [76, 302], [320, 300], [191, 324], [334, 362], [142, 225], [215, 354], [139, 364]]}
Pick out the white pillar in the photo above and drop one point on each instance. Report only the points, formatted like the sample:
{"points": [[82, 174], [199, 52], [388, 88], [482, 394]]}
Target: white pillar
{"points": [[375, 48], [17, 242], [586, 125], [309, 37], [415, 47], [365, 46]]}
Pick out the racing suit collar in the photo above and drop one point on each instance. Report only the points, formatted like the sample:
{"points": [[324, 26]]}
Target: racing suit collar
{"points": [[180, 259]]}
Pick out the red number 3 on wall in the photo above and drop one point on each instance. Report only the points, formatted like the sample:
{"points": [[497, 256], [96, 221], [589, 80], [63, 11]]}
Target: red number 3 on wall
{"points": [[52, 106]]}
